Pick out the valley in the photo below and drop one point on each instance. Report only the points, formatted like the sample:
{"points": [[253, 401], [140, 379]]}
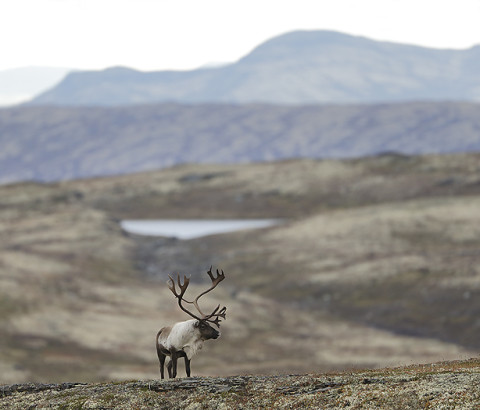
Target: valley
{"points": [[376, 265]]}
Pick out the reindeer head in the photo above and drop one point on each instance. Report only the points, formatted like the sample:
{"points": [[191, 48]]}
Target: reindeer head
{"points": [[206, 331], [204, 321]]}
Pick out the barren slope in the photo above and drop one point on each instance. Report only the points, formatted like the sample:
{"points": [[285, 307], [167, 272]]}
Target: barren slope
{"points": [[377, 264]]}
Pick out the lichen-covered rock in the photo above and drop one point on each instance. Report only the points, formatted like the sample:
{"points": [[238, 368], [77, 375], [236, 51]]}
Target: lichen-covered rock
{"points": [[441, 385]]}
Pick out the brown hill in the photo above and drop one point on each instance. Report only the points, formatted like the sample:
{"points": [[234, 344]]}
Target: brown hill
{"points": [[376, 265]]}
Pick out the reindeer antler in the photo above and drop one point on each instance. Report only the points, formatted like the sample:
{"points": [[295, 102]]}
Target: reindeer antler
{"points": [[183, 288], [221, 314], [217, 312], [215, 282]]}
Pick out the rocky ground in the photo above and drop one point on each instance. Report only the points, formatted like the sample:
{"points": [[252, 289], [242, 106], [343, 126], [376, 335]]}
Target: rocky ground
{"points": [[445, 385]]}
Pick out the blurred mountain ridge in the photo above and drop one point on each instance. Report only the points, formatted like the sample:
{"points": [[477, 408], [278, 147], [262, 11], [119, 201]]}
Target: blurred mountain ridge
{"points": [[63, 143], [300, 67]]}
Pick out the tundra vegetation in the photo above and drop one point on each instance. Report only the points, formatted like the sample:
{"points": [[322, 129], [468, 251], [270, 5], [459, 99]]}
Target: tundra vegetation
{"points": [[376, 265], [444, 385]]}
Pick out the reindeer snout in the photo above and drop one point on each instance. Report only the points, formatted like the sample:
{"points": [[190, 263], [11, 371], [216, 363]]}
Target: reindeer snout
{"points": [[216, 335]]}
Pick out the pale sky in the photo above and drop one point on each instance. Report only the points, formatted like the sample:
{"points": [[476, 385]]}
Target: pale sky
{"points": [[185, 34]]}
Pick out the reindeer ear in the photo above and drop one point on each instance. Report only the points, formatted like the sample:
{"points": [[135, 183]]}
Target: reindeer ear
{"points": [[197, 323]]}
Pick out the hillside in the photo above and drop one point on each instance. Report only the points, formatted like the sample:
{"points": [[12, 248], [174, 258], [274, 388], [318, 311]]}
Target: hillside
{"points": [[376, 265], [441, 385], [301, 67], [54, 143]]}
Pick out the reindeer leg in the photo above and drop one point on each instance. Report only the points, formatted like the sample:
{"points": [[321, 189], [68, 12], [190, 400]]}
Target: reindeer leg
{"points": [[174, 364], [169, 368], [187, 366], [162, 357], [181, 353]]}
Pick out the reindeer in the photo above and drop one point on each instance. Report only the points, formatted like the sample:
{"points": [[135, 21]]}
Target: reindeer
{"points": [[184, 339]]}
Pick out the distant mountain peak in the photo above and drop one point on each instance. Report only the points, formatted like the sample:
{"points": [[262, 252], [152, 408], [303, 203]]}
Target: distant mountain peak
{"points": [[300, 67]]}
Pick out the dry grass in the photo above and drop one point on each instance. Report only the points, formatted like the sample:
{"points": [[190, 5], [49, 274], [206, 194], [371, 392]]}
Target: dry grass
{"points": [[377, 265]]}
